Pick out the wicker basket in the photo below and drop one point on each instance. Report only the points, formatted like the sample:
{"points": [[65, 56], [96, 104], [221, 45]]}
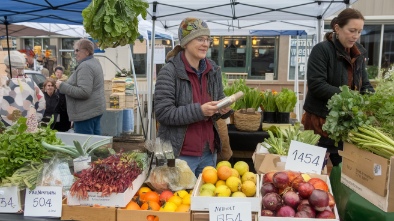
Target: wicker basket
{"points": [[246, 121]]}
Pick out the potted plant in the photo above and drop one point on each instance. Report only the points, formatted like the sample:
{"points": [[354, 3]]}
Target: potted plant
{"points": [[268, 106], [285, 102]]}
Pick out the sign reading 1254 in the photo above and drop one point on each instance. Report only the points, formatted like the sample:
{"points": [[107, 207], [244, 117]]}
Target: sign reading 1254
{"points": [[305, 157]]}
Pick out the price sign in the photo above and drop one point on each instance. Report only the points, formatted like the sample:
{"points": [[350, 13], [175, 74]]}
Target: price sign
{"points": [[9, 199], [230, 211], [44, 201], [305, 158]]}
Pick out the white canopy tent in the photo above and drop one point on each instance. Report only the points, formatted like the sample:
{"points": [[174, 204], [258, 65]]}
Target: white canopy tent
{"points": [[235, 17]]}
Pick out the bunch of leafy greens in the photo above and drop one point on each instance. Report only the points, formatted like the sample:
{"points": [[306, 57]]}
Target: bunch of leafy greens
{"points": [[237, 85], [17, 146], [268, 100], [347, 113], [286, 100], [381, 106], [114, 22], [251, 98]]}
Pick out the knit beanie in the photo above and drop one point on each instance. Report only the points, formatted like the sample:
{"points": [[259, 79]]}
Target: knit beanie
{"points": [[18, 60], [191, 28]]}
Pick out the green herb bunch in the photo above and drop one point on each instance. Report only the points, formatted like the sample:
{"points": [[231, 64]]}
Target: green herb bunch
{"points": [[268, 101], [17, 146], [347, 113], [286, 100], [237, 85], [114, 22], [251, 98]]}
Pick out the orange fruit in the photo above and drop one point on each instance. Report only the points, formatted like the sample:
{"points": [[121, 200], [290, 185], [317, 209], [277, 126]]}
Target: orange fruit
{"points": [[151, 196], [318, 184], [210, 176], [224, 172], [141, 192], [152, 218], [133, 206], [150, 205], [183, 208]]}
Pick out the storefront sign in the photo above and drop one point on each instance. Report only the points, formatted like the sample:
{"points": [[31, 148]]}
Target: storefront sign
{"points": [[44, 201], [305, 158], [230, 212], [9, 199]]}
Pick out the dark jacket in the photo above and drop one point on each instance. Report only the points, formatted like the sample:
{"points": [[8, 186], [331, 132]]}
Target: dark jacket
{"points": [[327, 71], [173, 102]]}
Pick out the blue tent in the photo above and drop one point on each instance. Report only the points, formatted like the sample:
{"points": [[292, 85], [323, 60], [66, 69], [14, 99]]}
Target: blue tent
{"points": [[44, 11]]}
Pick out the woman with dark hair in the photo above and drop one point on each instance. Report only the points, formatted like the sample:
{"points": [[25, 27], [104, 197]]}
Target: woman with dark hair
{"points": [[52, 100], [63, 123], [337, 61], [84, 90]]}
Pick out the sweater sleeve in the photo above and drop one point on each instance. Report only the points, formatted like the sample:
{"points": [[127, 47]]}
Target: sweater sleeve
{"points": [[167, 109], [317, 73]]}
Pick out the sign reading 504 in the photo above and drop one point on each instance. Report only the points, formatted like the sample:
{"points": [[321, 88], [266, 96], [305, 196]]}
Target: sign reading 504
{"points": [[42, 202]]}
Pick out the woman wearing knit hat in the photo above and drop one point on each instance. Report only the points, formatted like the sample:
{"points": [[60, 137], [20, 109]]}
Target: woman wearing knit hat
{"points": [[187, 91], [20, 95]]}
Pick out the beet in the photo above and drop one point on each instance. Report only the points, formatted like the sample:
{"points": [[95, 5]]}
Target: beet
{"points": [[304, 201], [303, 214], [285, 211], [291, 199], [266, 212], [307, 208], [281, 180], [268, 188], [319, 199], [272, 201], [326, 215], [305, 190]]}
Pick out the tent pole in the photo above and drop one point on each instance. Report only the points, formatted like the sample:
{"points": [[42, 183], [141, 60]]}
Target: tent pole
{"points": [[150, 75], [296, 82], [8, 44]]}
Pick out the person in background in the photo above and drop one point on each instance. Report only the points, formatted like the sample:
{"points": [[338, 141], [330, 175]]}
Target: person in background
{"points": [[52, 100], [63, 124], [337, 61], [187, 90], [20, 95], [45, 72], [84, 90]]}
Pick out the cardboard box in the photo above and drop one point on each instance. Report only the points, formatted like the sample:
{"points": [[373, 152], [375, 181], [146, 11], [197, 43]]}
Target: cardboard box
{"points": [[335, 210], [266, 162], [369, 175], [366, 168], [87, 213], [115, 199], [201, 203], [127, 215], [204, 216]]}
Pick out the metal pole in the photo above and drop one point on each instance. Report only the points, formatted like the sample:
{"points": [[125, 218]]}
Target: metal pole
{"points": [[8, 44], [296, 83]]}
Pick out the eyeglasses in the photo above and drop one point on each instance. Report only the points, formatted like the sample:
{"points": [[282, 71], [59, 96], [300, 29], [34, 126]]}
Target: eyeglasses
{"points": [[202, 40], [78, 50]]}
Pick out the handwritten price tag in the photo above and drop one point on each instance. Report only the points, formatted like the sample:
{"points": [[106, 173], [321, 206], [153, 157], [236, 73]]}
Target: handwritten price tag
{"points": [[9, 199], [305, 158], [44, 201], [230, 212]]}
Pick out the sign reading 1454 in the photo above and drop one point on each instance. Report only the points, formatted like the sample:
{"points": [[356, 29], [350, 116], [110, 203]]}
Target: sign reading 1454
{"points": [[305, 157]]}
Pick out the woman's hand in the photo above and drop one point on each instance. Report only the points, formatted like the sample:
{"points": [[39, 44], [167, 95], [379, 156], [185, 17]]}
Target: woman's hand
{"points": [[58, 83], [209, 108]]}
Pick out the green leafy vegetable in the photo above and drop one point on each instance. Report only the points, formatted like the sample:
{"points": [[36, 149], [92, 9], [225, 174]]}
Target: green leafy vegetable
{"points": [[114, 22], [346, 114], [268, 101], [17, 146], [286, 100]]}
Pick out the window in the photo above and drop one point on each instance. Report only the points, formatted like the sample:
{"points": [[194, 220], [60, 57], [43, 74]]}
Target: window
{"points": [[370, 39], [263, 56], [388, 47], [234, 52], [305, 45], [67, 53]]}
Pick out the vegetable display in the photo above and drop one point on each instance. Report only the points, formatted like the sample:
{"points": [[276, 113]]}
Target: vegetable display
{"points": [[346, 114], [114, 22], [24, 177], [18, 146], [113, 174], [268, 101]]}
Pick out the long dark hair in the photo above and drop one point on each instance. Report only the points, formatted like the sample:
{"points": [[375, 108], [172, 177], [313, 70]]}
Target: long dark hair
{"points": [[343, 18]]}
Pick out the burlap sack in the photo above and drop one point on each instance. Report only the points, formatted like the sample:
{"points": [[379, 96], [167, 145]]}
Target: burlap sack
{"points": [[223, 134]]}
